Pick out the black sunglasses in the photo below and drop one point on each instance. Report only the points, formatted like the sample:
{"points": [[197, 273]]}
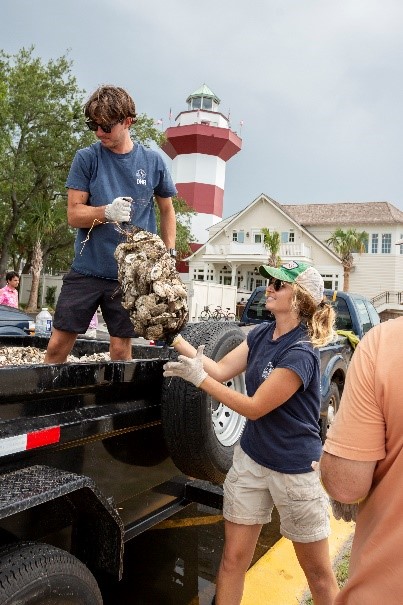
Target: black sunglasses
{"points": [[107, 128], [276, 283]]}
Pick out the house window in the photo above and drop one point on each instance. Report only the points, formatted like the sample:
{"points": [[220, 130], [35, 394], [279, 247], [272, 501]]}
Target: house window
{"points": [[257, 238], [225, 277], [331, 281], [401, 245], [374, 243], [288, 237], [238, 236], [291, 237], [386, 243]]}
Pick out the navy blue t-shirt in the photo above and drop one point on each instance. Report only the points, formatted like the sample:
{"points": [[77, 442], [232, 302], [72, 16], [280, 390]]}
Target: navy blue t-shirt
{"points": [[106, 175], [287, 439]]}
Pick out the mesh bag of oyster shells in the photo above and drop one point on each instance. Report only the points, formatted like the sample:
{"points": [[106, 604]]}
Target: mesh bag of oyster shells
{"points": [[152, 291]]}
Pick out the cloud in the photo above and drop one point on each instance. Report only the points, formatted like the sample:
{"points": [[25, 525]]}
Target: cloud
{"points": [[317, 83]]}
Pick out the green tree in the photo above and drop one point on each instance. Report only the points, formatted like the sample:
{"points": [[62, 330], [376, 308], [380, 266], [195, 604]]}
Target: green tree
{"points": [[183, 234], [41, 127], [272, 243], [345, 243], [145, 132], [44, 221]]}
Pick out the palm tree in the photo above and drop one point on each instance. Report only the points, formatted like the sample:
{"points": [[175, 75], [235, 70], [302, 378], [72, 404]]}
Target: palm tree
{"points": [[44, 220], [272, 242], [344, 243]]}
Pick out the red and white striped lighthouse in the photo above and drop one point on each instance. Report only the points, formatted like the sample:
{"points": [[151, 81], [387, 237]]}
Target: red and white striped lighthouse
{"points": [[200, 144]]}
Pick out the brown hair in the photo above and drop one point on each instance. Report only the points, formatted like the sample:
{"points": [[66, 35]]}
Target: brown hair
{"points": [[110, 104], [319, 319]]}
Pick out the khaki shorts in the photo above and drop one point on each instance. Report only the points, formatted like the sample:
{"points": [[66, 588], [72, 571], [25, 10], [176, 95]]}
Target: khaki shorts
{"points": [[251, 491]]}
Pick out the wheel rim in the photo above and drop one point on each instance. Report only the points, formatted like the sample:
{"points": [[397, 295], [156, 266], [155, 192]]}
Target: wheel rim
{"points": [[228, 425]]}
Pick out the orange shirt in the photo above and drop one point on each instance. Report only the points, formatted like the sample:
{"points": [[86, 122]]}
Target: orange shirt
{"points": [[369, 426]]}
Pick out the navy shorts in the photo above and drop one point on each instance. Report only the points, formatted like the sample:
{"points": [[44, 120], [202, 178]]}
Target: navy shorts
{"points": [[80, 297]]}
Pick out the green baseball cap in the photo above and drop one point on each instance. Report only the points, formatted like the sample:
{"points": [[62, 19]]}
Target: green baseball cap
{"points": [[302, 274]]}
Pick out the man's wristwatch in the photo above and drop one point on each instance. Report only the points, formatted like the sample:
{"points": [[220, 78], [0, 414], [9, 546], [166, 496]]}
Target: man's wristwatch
{"points": [[172, 252]]}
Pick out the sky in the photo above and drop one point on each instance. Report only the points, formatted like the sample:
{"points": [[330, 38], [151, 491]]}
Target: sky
{"points": [[317, 84]]}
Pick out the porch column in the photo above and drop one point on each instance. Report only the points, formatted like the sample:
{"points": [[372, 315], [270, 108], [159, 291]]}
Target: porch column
{"points": [[233, 275]]}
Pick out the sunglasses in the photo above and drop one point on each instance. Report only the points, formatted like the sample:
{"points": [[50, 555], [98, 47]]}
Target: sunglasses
{"points": [[107, 128], [276, 283]]}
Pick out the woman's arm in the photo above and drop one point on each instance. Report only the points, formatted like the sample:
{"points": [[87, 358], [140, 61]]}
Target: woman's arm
{"points": [[231, 365], [273, 392]]}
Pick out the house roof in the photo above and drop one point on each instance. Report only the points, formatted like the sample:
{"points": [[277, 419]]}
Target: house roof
{"points": [[344, 213], [203, 91], [219, 227]]}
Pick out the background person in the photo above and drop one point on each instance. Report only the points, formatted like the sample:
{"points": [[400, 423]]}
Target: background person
{"points": [[363, 462], [9, 294], [272, 465], [115, 180]]}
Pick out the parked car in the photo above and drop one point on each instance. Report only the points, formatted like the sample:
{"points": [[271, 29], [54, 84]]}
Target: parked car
{"points": [[354, 312], [14, 322]]}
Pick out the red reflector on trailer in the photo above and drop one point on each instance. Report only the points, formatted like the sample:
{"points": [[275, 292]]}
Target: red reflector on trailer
{"points": [[44, 437]]}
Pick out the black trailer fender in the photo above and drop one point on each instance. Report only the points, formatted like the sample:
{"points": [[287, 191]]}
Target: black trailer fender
{"points": [[58, 499], [200, 432]]}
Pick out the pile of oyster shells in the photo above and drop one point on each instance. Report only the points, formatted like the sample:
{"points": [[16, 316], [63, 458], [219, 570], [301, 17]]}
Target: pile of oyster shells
{"points": [[152, 290], [17, 356]]}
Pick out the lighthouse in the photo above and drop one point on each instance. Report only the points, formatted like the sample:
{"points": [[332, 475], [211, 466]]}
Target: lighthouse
{"points": [[200, 145]]}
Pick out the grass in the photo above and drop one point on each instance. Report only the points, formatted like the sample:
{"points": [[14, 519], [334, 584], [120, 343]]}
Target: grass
{"points": [[341, 570]]}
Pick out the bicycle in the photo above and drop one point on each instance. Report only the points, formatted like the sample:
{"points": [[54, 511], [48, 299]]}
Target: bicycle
{"points": [[221, 314], [206, 314]]}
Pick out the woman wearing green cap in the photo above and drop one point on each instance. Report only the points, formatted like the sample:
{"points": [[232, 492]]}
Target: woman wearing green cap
{"points": [[272, 464]]}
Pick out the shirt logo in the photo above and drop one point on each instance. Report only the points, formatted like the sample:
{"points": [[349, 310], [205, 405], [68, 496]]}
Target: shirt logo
{"points": [[141, 177]]}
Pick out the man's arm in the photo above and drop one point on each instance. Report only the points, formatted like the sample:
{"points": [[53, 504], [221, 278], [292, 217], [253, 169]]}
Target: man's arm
{"points": [[79, 214], [346, 480], [168, 221]]}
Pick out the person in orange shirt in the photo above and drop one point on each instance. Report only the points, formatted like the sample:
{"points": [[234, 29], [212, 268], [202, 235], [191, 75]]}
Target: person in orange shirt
{"points": [[9, 294], [362, 466]]}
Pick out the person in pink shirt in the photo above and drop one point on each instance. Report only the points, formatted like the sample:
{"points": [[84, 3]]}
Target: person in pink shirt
{"points": [[9, 294]]}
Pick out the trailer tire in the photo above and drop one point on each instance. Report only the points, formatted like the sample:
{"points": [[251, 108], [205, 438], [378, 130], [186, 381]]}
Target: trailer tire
{"points": [[40, 574], [200, 432], [332, 408]]}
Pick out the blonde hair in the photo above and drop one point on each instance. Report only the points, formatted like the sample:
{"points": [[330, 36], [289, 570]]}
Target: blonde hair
{"points": [[319, 319]]}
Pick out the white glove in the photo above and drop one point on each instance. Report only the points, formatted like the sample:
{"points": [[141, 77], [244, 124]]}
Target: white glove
{"points": [[119, 210], [188, 368]]}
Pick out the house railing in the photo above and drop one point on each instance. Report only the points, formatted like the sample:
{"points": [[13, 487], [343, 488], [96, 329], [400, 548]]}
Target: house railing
{"points": [[239, 249], [386, 298]]}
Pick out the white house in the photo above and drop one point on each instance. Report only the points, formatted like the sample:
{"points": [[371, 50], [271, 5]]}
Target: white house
{"points": [[234, 249]]}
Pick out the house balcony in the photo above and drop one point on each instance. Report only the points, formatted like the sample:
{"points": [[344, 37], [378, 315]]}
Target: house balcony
{"points": [[254, 253]]}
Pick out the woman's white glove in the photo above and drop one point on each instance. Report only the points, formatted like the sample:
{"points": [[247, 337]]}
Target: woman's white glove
{"points": [[119, 210], [188, 368]]}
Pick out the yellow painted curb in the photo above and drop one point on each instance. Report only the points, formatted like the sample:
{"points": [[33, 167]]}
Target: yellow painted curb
{"points": [[277, 578]]}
